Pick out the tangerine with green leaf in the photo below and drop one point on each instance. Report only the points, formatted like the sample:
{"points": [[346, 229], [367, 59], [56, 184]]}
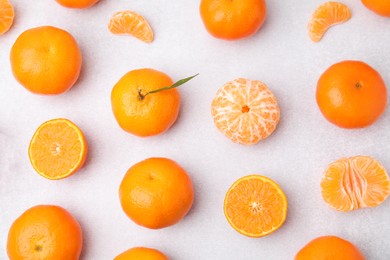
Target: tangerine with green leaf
{"points": [[145, 102]]}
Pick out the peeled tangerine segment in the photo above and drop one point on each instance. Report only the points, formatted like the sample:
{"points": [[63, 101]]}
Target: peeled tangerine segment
{"points": [[325, 16], [246, 111], [6, 16], [129, 22], [356, 182]]}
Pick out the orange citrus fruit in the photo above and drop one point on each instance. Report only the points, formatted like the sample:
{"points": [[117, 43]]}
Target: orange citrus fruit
{"points": [[58, 149], [6, 16], [232, 20], [354, 183], [329, 247], [142, 253], [45, 232], [77, 3], [381, 7], [156, 193], [145, 115], [325, 16], [351, 94], [255, 206], [128, 22], [245, 111], [46, 60]]}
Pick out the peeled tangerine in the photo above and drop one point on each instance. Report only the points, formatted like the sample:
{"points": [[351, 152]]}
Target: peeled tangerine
{"points": [[245, 111], [354, 183], [325, 16]]}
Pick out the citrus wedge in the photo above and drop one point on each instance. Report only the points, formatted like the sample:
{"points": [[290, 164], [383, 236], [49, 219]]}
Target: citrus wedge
{"points": [[325, 16], [57, 149], [255, 206], [355, 182], [129, 22], [6, 16]]}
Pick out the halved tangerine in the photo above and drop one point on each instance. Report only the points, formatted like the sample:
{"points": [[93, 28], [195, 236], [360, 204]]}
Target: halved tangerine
{"points": [[325, 16], [246, 111], [354, 183], [129, 22], [255, 206], [58, 149]]}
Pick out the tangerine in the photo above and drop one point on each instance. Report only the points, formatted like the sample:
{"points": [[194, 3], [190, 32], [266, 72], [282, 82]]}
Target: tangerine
{"points": [[232, 20], [245, 111], [38, 57], [45, 232], [351, 94], [156, 193]]}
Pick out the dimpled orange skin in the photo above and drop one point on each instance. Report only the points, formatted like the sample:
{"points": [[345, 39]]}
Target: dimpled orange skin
{"points": [[329, 247], [156, 193], [381, 7], [80, 4], [45, 232], [232, 20], [141, 253], [152, 115], [351, 94], [46, 60]]}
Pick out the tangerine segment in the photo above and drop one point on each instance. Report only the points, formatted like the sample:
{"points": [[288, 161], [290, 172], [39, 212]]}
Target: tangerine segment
{"points": [[355, 182], [325, 16], [255, 206], [246, 111], [6, 16], [57, 149], [128, 22]]}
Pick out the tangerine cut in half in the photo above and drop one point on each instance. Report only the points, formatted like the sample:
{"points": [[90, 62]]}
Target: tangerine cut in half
{"points": [[6, 16], [325, 16], [58, 149], [354, 183], [255, 206], [246, 111], [129, 22]]}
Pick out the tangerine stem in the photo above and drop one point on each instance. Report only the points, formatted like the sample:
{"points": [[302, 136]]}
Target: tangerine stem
{"points": [[175, 85]]}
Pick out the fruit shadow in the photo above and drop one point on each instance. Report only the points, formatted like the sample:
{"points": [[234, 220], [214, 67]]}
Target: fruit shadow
{"points": [[195, 184], [88, 160], [87, 59], [86, 238], [90, 152], [81, 78]]}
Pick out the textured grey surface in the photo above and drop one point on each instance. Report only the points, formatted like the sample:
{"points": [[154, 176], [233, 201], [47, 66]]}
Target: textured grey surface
{"points": [[281, 55]]}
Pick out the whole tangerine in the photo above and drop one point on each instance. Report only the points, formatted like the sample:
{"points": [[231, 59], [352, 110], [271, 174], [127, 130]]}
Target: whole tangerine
{"points": [[351, 94], [232, 20], [156, 193], [80, 4], [145, 102], [329, 247], [141, 253], [381, 7], [45, 232], [46, 60]]}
